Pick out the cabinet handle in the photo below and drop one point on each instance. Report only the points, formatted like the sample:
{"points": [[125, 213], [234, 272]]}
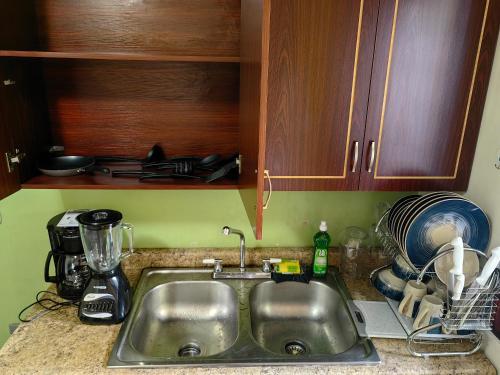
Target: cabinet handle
{"points": [[371, 152], [356, 157], [266, 175]]}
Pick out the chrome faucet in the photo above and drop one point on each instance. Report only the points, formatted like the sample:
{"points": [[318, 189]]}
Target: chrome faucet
{"points": [[242, 273], [227, 231]]}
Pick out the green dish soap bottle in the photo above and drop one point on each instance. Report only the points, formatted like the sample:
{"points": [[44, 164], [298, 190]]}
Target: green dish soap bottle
{"points": [[321, 243]]}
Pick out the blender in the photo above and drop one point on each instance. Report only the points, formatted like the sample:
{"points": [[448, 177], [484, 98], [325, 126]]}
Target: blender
{"points": [[107, 297]]}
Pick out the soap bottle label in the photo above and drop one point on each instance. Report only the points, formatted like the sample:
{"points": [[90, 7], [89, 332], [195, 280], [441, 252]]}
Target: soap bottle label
{"points": [[320, 261]]}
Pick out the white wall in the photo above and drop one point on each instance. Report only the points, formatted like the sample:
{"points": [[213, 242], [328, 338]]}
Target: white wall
{"points": [[484, 186]]}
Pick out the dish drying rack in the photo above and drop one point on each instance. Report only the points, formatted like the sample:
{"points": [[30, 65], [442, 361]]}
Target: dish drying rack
{"points": [[461, 320]]}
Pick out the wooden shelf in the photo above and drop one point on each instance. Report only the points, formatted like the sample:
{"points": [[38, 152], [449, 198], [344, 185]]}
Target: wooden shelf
{"points": [[117, 56], [99, 181]]}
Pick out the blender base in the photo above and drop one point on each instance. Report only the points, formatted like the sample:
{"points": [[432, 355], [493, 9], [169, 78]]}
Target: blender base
{"points": [[106, 299]]}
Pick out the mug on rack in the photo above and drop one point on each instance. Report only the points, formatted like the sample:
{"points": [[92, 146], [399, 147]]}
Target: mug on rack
{"points": [[413, 293], [431, 309]]}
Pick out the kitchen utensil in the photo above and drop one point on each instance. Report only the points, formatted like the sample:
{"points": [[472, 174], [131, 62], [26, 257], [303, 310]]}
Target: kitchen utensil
{"points": [[412, 295], [153, 176], [380, 320], [107, 297], [223, 171], [430, 307], [194, 161], [63, 166], [439, 222], [477, 286], [389, 284], [413, 210], [456, 278], [71, 269], [154, 155], [443, 265], [397, 206]]}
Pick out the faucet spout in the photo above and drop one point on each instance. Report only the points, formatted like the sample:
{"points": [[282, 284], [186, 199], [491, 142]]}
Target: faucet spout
{"points": [[227, 231]]}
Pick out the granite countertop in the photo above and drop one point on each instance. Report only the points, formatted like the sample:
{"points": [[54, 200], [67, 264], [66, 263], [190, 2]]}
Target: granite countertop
{"points": [[58, 343]]}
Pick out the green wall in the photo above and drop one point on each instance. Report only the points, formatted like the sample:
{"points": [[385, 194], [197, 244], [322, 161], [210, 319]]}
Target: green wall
{"points": [[164, 219], [23, 247]]}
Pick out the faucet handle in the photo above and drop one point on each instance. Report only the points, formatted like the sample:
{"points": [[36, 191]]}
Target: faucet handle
{"points": [[216, 262], [267, 264]]}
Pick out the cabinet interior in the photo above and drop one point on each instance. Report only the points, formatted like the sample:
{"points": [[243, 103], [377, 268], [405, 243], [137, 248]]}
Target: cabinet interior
{"points": [[114, 78]]}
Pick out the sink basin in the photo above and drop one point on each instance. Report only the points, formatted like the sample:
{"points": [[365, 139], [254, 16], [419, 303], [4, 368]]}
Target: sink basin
{"points": [[186, 318], [296, 318]]}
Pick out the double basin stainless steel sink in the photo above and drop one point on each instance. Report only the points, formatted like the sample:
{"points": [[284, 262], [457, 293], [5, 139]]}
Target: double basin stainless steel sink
{"points": [[182, 317]]}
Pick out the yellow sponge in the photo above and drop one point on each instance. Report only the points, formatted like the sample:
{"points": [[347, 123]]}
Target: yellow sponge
{"points": [[288, 266]]}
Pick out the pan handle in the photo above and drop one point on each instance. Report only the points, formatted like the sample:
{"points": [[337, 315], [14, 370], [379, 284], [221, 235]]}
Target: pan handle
{"points": [[94, 168], [116, 159]]}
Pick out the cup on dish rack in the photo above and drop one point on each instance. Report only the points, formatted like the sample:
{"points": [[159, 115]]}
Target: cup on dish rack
{"points": [[429, 312], [413, 294]]}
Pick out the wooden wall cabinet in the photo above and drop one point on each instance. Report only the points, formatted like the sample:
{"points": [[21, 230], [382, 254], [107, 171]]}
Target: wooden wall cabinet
{"points": [[430, 76], [109, 78], [366, 94], [316, 95]]}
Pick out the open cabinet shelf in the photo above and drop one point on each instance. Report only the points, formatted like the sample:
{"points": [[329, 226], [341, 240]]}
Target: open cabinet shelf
{"points": [[119, 56], [98, 181]]}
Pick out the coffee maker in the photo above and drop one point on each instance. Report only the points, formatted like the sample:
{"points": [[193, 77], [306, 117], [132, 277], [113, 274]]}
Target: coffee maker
{"points": [[71, 269], [107, 297]]}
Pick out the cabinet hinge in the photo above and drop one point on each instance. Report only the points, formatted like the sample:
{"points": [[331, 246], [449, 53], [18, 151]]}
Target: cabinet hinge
{"points": [[13, 159]]}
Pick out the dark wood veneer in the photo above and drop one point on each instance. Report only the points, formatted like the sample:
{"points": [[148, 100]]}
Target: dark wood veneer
{"points": [[313, 48], [103, 182], [194, 27], [433, 58], [118, 56], [255, 16], [123, 108]]}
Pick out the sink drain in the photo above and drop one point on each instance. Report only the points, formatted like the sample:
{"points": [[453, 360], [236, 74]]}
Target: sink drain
{"points": [[189, 350], [295, 348]]}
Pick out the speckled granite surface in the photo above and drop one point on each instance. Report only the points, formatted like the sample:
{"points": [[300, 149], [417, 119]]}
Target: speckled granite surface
{"points": [[58, 343]]}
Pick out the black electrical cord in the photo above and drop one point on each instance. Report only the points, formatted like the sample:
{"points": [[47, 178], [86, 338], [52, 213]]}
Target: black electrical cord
{"points": [[48, 305]]}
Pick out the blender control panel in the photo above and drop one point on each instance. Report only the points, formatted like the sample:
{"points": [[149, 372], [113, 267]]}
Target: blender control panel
{"points": [[98, 305]]}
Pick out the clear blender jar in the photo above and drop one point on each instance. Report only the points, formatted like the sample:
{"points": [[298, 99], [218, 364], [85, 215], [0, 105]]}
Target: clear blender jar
{"points": [[101, 232]]}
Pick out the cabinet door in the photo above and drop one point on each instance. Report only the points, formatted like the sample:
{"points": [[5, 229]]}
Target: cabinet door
{"points": [[430, 75], [23, 121], [320, 58], [254, 39], [9, 179]]}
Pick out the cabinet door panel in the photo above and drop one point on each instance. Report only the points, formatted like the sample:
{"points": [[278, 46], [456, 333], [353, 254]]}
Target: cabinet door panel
{"points": [[319, 71], [431, 67], [23, 120], [253, 96]]}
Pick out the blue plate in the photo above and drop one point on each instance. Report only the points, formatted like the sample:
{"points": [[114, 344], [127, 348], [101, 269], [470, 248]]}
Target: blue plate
{"points": [[440, 223]]}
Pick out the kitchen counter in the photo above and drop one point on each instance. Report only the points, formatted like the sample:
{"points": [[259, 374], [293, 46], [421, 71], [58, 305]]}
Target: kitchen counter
{"points": [[58, 343]]}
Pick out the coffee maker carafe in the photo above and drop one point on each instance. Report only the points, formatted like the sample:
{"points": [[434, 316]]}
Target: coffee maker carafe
{"points": [[107, 297], [71, 270]]}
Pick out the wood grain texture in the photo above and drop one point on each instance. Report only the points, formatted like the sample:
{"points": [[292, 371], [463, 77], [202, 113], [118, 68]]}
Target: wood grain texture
{"points": [[9, 182], [432, 66], [23, 120], [172, 27], [18, 25], [103, 182], [319, 74], [123, 108], [118, 56], [253, 97]]}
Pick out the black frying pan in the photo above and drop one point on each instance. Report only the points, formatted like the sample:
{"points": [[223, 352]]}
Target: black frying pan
{"points": [[62, 166]]}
